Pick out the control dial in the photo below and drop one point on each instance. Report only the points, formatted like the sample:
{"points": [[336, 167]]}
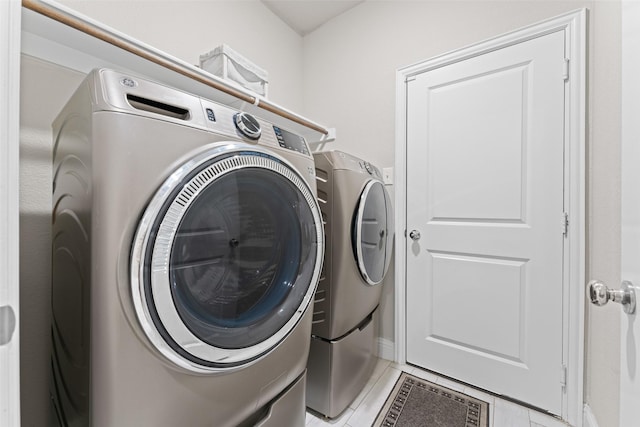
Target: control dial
{"points": [[247, 125]]}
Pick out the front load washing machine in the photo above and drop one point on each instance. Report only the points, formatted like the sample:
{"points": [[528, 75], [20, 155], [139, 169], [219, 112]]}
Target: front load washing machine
{"points": [[187, 245], [359, 240]]}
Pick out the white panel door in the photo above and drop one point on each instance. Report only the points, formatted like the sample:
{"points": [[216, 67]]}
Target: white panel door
{"points": [[485, 144]]}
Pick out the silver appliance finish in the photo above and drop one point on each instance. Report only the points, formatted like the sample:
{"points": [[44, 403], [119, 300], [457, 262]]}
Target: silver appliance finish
{"points": [[348, 292], [161, 315], [359, 238]]}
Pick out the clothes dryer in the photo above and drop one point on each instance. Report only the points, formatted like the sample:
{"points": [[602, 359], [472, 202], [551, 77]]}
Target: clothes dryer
{"points": [[358, 217], [187, 247]]}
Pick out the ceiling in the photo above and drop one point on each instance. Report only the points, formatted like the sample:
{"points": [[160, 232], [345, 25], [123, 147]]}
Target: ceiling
{"points": [[304, 16]]}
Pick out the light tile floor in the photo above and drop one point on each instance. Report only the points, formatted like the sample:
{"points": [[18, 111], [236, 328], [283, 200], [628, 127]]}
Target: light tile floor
{"points": [[364, 409]]}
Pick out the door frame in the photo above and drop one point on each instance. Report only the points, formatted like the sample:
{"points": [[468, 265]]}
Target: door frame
{"points": [[574, 24], [629, 357], [10, 17]]}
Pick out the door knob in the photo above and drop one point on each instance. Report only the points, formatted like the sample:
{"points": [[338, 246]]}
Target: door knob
{"points": [[414, 234], [7, 324], [600, 294]]}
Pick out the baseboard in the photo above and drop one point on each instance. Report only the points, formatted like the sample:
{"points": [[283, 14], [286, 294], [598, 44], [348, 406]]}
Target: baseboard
{"points": [[386, 349], [588, 419]]}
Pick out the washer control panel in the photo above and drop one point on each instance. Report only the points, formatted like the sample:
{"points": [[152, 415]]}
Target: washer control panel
{"points": [[131, 94], [291, 141], [224, 120]]}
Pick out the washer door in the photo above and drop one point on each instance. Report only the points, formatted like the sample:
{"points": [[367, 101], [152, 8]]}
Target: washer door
{"points": [[226, 258], [372, 232]]}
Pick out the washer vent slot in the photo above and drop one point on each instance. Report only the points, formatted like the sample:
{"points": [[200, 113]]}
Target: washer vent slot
{"points": [[157, 107]]}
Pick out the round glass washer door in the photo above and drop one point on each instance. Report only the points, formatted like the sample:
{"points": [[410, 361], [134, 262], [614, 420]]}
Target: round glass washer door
{"points": [[372, 233], [226, 258]]}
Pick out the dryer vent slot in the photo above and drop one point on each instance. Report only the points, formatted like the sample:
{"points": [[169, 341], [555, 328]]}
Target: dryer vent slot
{"points": [[149, 105]]}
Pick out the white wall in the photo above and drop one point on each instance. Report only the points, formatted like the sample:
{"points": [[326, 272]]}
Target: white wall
{"points": [[349, 78], [184, 29]]}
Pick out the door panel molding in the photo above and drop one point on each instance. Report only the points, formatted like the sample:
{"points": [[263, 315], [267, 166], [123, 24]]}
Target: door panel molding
{"points": [[574, 26]]}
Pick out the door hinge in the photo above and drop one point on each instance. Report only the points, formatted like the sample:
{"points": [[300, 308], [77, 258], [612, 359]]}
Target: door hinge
{"points": [[565, 224], [565, 73], [563, 376]]}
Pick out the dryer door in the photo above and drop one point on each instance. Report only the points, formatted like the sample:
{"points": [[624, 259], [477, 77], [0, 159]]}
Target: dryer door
{"points": [[372, 232], [226, 258]]}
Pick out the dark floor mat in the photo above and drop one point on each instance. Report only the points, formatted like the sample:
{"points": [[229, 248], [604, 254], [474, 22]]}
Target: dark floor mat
{"points": [[415, 402]]}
